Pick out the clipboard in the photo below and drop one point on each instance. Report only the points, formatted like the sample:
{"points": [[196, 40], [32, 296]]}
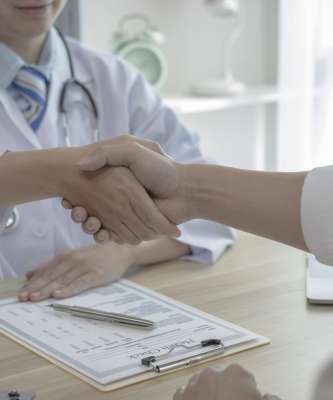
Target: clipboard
{"points": [[183, 336], [158, 366]]}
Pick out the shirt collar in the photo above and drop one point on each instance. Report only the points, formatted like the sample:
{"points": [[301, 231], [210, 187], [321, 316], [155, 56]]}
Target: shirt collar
{"points": [[11, 62]]}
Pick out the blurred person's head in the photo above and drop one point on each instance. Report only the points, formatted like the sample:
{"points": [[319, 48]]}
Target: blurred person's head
{"points": [[22, 21], [28, 18]]}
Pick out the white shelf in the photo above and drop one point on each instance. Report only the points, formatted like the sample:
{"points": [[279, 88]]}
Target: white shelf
{"points": [[183, 104]]}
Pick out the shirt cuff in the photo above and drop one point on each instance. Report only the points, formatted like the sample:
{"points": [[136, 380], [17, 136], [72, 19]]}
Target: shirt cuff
{"points": [[317, 213], [207, 240]]}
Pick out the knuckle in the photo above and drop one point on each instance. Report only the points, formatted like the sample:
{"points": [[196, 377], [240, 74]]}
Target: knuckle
{"points": [[235, 369], [127, 138], [133, 147], [208, 373]]}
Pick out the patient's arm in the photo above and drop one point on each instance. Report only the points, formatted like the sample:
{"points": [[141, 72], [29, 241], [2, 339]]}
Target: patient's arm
{"points": [[263, 203]]}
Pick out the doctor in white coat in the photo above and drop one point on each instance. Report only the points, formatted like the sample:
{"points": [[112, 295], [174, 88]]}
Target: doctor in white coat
{"points": [[40, 235]]}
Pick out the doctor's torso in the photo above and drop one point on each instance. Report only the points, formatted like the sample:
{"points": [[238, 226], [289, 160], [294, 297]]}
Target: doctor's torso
{"points": [[126, 105], [44, 229]]}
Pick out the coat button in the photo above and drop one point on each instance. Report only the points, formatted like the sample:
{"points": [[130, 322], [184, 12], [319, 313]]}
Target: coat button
{"points": [[40, 231]]}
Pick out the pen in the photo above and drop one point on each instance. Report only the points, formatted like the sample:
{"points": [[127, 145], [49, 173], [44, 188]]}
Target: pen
{"points": [[98, 315]]}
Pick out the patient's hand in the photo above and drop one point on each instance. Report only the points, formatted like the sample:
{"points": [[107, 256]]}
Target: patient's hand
{"points": [[234, 383], [77, 270]]}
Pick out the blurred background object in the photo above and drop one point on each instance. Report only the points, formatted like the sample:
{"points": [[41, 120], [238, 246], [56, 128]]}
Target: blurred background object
{"points": [[138, 42], [284, 57], [227, 85]]}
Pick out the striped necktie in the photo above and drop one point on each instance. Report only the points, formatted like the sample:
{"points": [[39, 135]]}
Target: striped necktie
{"points": [[29, 91]]}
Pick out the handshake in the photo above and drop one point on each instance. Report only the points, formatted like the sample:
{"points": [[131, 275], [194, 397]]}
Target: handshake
{"points": [[127, 190]]}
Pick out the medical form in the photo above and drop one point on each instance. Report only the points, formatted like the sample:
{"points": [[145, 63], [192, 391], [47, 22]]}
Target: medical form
{"points": [[106, 352]]}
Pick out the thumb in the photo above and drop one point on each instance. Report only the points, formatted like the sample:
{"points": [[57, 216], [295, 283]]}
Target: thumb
{"points": [[114, 155]]}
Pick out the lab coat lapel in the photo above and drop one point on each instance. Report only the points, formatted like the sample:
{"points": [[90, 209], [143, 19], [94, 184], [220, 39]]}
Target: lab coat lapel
{"points": [[50, 125], [51, 133]]}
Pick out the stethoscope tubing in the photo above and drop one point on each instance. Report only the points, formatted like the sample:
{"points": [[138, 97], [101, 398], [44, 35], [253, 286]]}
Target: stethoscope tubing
{"points": [[73, 81]]}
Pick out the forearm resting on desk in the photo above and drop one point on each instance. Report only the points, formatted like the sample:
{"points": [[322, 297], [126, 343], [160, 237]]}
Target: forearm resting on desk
{"points": [[94, 266]]}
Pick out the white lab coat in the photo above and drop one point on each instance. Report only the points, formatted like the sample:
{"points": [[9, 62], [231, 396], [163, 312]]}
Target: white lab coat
{"points": [[126, 105]]}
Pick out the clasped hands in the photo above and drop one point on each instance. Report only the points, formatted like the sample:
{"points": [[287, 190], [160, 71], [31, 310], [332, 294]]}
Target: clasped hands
{"points": [[131, 192]]}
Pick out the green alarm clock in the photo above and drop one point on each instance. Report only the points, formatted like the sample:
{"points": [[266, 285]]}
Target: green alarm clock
{"points": [[142, 48]]}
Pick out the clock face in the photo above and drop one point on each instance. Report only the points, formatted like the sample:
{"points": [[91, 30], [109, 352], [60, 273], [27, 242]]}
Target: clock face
{"points": [[149, 60]]}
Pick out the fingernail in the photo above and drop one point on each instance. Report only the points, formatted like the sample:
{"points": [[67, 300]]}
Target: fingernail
{"points": [[57, 293], [91, 226], [78, 213], [177, 233]]}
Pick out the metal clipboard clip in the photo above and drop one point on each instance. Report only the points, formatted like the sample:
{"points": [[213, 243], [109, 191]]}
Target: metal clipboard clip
{"points": [[214, 347]]}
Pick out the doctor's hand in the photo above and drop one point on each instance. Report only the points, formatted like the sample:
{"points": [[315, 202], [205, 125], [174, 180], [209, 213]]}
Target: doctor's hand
{"points": [[73, 272], [122, 146], [234, 383], [115, 197]]}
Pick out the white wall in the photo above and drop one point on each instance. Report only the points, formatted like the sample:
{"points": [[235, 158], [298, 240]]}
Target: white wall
{"points": [[195, 52]]}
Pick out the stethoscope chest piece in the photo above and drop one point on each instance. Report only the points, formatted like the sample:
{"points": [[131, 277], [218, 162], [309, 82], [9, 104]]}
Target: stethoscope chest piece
{"points": [[13, 220]]}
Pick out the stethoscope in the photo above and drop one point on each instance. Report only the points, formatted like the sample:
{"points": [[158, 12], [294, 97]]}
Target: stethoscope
{"points": [[71, 83]]}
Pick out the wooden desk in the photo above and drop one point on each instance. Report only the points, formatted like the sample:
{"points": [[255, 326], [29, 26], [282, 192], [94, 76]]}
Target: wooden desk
{"points": [[258, 284]]}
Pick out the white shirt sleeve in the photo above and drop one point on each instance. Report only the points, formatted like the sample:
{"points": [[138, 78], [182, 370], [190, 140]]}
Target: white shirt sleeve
{"points": [[317, 213], [5, 212]]}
